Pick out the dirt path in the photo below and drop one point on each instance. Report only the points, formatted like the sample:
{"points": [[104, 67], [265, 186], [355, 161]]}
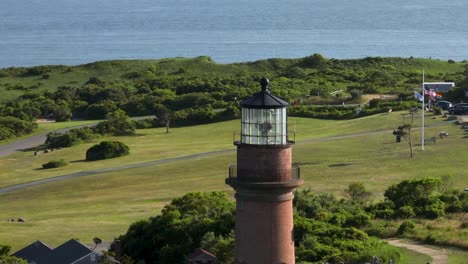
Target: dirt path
{"points": [[439, 256]]}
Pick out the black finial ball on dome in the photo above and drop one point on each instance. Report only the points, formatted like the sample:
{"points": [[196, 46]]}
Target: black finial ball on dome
{"points": [[264, 83]]}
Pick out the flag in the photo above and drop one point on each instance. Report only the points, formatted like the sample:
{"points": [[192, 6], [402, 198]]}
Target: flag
{"points": [[431, 93], [418, 96]]}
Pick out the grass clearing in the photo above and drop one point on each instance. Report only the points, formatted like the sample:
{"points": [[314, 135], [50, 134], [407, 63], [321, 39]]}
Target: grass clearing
{"points": [[457, 256], [412, 257], [105, 204]]}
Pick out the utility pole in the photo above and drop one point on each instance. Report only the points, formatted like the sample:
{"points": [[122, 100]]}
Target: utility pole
{"points": [[423, 109]]}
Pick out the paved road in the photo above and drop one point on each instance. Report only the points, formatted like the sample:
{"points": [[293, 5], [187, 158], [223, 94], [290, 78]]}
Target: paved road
{"points": [[37, 140], [439, 256], [22, 144]]}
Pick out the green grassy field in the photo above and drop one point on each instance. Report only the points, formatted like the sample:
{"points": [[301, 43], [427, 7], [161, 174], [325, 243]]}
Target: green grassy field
{"points": [[104, 205], [411, 257], [457, 256]]}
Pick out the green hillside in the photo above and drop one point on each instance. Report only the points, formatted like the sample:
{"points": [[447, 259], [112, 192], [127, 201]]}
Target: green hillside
{"points": [[400, 73]]}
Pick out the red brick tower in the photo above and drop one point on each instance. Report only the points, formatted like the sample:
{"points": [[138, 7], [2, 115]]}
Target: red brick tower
{"points": [[264, 179]]}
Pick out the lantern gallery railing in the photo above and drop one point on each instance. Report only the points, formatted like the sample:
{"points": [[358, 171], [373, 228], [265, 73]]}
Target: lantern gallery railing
{"points": [[264, 140], [295, 171]]}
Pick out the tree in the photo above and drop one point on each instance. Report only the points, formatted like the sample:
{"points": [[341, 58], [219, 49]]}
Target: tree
{"points": [[6, 259], [405, 132], [422, 195], [221, 246], [357, 192], [101, 109], [164, 115], [117, 124], [109, 258], [180, 228]]}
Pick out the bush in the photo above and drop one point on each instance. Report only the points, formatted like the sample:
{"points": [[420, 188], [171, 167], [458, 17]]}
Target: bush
{"points": [[70, 138], [383, 209], [437, 111], [406, 227], [382, 229], [145, 123], [430, 239], [54, 164], [434, 209], [107, 150], [12, 126], [59, 140], [405, 212], [117, 124], [452, 202]]}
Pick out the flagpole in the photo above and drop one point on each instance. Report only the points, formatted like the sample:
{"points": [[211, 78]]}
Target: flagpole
{"points": [[423, 108]]}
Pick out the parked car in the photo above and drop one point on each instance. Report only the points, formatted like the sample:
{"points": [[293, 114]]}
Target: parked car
{"points": [[458, 109], [443, 104]]}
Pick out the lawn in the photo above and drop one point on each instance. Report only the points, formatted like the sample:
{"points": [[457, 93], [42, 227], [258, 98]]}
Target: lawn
{"points": [[156, 144], [105, 204]]}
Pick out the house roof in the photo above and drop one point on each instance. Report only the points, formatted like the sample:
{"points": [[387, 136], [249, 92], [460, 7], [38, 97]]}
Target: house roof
{"points": [[264, 99], [34, 251], [67, 253], [201, 254], [439, 87]]}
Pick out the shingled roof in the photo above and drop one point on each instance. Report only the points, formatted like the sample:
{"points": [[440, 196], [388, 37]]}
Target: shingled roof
{"points": [[69, 252], [201, 256], [33, 252]]}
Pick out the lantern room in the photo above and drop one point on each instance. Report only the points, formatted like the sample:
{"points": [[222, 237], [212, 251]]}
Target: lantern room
{"points": [[264, 119]]}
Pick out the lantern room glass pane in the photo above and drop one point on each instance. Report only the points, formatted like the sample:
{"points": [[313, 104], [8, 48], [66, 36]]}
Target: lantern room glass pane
{"points": [[264, 126]]}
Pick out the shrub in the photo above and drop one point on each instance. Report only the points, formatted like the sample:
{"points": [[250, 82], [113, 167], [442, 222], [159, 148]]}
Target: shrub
{"points": [[12, 126], [421, 194], [107, 150], [54, 164], [430, 239], [145, 123], [101, 109], [359, 219], [59, 140], [434, 209], [405, 212], [383, 209], [452, 202], [117, 124], [374, 103], [70, 138], [382, 229], [437, 111], [406, 227]]}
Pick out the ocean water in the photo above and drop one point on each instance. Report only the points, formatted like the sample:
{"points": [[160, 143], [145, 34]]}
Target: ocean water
{"points": [[37, 32]]}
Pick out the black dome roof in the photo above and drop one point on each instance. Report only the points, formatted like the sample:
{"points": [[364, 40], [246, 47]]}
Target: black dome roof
{"points": [[264, 99]]}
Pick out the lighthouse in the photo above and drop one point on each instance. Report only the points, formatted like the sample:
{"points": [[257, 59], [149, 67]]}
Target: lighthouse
{"points": [[264, 180]]}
